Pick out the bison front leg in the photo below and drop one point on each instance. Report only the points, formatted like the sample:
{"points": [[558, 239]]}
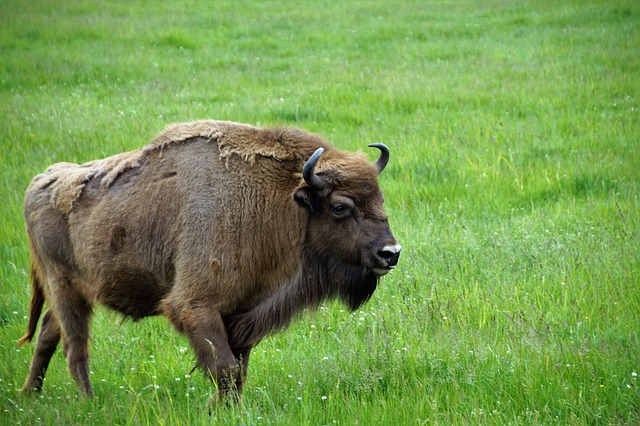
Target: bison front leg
{"points": [[242, 357], [206, 332]]}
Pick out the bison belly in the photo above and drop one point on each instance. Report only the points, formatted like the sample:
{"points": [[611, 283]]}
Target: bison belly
{"points": [[133, 292]]}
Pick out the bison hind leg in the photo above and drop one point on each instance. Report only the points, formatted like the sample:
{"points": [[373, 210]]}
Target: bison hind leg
{"points": [[76, 349], [48, 340], [73, 312]]}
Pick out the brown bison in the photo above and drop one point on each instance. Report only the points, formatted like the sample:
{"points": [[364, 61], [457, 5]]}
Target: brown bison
{"points": [[228, 230]]}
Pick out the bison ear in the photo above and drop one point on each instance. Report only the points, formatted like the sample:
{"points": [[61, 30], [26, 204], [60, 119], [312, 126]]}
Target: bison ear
{"points": [[307, 198]]}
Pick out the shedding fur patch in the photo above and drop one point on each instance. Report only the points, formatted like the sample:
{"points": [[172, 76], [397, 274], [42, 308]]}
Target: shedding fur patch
{"points": [[177, 133], [243, 140], [65, 182], [68, 180], [111, 167], [248, 142]]}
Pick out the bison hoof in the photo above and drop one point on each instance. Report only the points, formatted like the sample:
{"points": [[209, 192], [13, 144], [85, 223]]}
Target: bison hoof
{"points": [[224, 399], [30, 390]]}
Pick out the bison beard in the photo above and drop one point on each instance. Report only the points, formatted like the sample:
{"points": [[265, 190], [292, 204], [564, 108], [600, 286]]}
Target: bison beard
{"points": [[318, 279]]}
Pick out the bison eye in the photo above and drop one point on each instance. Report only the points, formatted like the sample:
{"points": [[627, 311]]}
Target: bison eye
{"points": [[339, 210]]}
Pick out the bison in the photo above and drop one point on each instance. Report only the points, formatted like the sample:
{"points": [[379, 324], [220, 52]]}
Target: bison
{"points": [[228, 230]]}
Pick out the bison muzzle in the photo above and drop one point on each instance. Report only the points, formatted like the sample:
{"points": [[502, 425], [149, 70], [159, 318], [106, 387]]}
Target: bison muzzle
{"points": [[228, 230]]}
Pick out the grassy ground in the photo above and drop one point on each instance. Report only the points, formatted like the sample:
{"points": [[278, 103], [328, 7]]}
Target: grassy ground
{"points": [[513, 187]]}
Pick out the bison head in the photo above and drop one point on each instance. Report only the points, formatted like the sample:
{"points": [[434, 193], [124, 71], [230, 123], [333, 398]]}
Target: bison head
{"points": [[348, 230]]}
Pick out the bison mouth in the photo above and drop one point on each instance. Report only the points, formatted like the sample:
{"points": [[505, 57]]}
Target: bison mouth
{"points": [[383, 271]]}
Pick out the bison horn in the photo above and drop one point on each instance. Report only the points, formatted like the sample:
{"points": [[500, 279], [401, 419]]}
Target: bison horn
{"points": [[382, 161], [312, 179]]}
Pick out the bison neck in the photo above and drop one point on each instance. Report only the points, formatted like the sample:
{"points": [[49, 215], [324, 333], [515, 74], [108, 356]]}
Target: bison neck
{"points": [[317, 280]]}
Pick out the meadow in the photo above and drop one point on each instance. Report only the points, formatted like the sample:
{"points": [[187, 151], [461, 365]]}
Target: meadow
{"points": [[513, 186]]}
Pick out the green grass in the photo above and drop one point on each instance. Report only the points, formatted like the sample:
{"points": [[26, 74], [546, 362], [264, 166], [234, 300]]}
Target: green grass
{"points": [[513, 187]]}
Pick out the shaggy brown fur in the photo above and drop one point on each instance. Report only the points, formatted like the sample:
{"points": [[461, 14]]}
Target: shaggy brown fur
{"points": [[211, 225]]}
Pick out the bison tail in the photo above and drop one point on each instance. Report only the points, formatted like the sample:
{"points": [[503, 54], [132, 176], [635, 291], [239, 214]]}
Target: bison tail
{"points": [[35, 308]]}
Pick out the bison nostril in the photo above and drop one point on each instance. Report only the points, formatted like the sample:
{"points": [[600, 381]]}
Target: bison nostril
{"points": [[390, 255], [386, 255]]}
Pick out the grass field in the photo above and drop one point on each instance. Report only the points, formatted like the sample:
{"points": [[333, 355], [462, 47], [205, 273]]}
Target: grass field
{"points": [[513, 187]]}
